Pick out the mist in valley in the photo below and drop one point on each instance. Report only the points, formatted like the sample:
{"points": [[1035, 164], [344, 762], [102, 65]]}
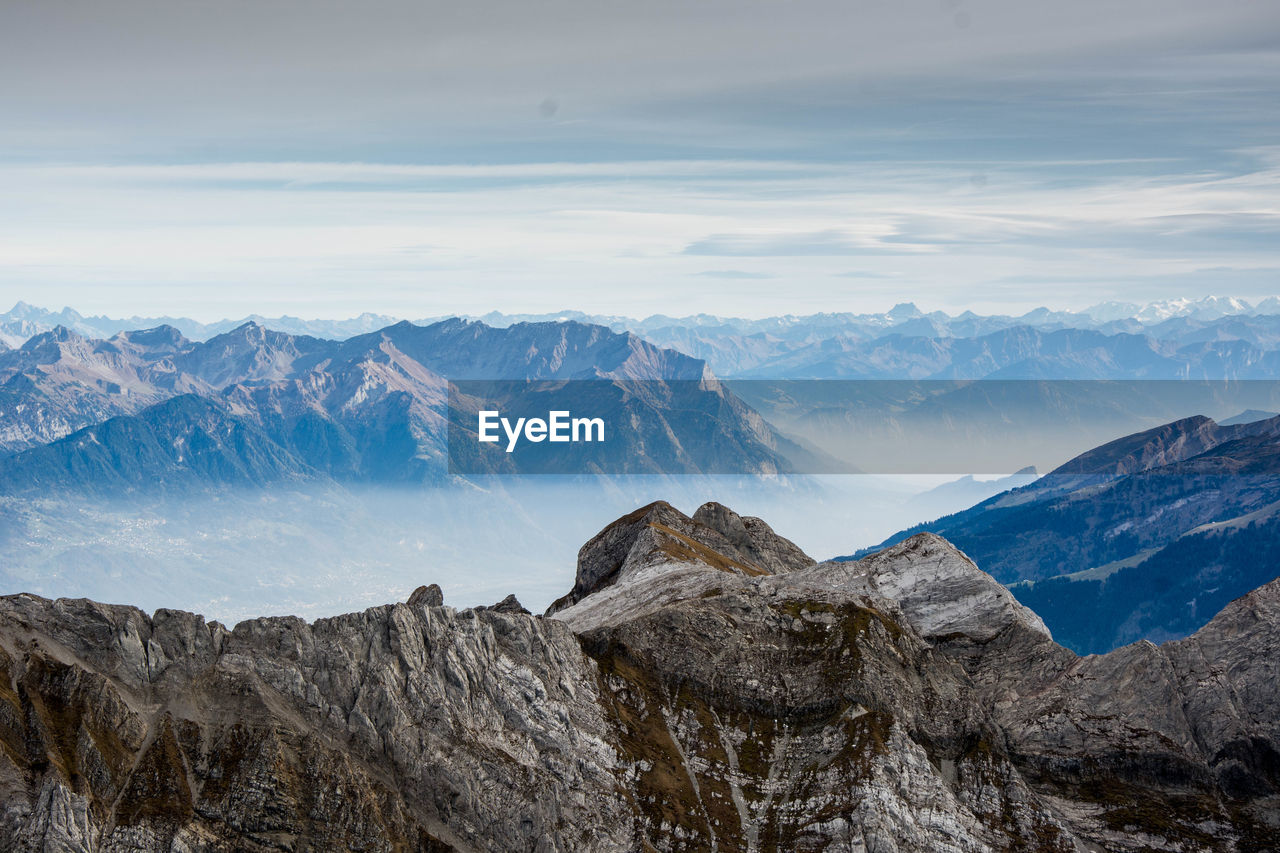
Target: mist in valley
{"points": [[316, 551]]}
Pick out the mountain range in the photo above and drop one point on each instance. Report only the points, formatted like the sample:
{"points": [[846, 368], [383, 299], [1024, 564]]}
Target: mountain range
{"points": [[318, 398], [704, 686], [1219, 337], [1142, 537], [255, 405]]}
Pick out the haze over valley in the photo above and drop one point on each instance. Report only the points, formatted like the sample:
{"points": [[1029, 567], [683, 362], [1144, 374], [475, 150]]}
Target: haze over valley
{"points": [[258, 470]]}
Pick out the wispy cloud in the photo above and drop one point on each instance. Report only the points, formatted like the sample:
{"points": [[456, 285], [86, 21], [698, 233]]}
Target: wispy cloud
{"points": [[403, 239], [302, 173], [398, 159], [802, 244], [735, 274]]}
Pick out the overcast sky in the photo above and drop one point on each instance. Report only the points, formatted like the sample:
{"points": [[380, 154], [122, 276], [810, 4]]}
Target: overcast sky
{"points": [[215, 159]]}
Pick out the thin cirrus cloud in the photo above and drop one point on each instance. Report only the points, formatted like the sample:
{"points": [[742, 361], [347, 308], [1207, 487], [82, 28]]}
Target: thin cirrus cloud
{"points": [[740, 275], [508, 232], [833, 242], [303, 173], [420, 157]]}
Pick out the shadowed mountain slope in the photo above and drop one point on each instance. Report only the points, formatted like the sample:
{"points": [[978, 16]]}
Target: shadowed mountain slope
{"points": [[1144, 537]]}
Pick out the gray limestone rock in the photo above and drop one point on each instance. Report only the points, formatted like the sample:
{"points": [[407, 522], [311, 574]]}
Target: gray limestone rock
{"points": [[659, 534], [427, 596], [707, 689]]}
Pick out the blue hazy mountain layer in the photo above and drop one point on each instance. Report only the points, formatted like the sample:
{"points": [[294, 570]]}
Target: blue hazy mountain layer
{"points": [[255, 406], [1212, 337]]}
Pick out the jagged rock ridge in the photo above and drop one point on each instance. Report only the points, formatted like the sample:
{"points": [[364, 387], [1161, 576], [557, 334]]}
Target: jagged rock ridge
{"points": [[692, 699], [658, 533]]}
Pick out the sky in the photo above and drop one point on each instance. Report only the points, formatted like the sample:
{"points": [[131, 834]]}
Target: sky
{"points": [[745, 158]]}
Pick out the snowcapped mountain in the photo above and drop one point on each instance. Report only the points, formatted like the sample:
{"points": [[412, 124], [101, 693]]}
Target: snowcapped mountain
{"points": [[24, 320], [1208, 308]]}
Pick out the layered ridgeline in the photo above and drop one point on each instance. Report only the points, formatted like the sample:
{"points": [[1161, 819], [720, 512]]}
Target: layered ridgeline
{"points": [[369, 406], [255, 406], [704, 686], [1215, 337], [1147, 536]]}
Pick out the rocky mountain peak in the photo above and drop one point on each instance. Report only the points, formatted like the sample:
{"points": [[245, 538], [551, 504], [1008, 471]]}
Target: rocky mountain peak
{"points": [[753, 540], [429, 595], [406, 326], [943, 593], [1151, 448], [50, 345], [716, 538], [249, 331], [162, 339], [1248, 416], [904, 311]]}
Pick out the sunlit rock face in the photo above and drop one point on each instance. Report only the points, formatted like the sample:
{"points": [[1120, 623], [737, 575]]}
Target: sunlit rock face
{"points": [[658, 538], [706, 686]]}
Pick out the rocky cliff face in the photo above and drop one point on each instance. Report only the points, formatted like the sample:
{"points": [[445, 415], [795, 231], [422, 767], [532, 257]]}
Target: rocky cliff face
{"points": [[705, 687], [659, 535]]}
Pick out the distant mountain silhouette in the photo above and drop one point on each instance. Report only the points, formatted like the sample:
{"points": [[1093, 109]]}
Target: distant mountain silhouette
{"points": [[1169, 339]]}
